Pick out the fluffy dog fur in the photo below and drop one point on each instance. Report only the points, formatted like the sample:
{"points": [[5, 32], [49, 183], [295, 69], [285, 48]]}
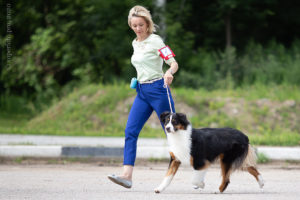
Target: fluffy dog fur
{"points": [[201, 147]]}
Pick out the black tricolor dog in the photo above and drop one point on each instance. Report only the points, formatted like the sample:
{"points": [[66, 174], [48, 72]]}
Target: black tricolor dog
{"points": [[201, 147]]}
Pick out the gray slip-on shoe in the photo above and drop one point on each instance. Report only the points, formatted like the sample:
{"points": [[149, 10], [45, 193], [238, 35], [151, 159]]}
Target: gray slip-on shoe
{"points": [[125, 183]]}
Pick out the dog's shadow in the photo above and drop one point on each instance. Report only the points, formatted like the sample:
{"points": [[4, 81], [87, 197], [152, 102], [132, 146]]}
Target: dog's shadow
{"points": [[210, 193], [218, 193]]}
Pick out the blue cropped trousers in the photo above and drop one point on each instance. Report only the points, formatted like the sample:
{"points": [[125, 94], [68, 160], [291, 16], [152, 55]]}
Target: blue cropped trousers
{"points": [[150, 97]]}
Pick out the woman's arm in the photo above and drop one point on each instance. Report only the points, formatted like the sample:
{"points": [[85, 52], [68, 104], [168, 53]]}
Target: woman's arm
{"points": [[168, 77]]}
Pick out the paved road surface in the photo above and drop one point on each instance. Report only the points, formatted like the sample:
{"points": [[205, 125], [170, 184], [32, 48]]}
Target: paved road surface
{"points": [[88, 181]]}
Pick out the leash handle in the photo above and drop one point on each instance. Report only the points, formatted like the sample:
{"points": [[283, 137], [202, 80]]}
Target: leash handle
{"points": [[166, 86]]}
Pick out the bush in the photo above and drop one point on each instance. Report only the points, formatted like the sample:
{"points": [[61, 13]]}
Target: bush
{"points": [[273, 64]]}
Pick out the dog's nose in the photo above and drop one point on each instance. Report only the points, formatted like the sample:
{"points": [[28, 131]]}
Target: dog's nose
{"points": [[168, 129]]}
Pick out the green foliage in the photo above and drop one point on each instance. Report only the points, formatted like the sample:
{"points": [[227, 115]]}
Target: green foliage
{"points": [[59, 44], [268, 115], [14, 105], [88, 109], [274, 64], [31, 69], [270, 65], [71, 42], [65, 48], [262, 158]]}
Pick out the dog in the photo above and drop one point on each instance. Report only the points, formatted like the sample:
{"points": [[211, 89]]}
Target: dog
{"points": [[201, 147]]}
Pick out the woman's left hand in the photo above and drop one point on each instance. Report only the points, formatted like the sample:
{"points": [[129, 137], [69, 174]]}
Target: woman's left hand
{"points": [[168, 78]]}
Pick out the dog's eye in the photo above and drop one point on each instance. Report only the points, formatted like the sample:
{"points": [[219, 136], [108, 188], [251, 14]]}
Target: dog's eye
{"points": [[167, 121], [174, 122]]}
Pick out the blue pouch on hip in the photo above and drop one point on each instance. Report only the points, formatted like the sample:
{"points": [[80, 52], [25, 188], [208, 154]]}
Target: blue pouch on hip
{"points": [[133, 83]]}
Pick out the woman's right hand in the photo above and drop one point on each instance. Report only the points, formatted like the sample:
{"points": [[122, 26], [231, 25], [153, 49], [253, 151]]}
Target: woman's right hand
{"points": [[168, 78]]}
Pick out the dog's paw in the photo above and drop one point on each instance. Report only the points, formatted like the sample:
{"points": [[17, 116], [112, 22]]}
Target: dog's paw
{"points": [[199, 185], [261, 182], [157, 190], [202, 185]]}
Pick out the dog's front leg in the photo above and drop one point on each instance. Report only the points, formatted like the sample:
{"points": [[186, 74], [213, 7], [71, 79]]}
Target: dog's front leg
{"points": [[198, 178], [173, 167]]}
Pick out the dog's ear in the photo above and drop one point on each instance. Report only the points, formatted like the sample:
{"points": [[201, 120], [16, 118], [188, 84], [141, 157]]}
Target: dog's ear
{"points": [[183, 119], [163, 116]]}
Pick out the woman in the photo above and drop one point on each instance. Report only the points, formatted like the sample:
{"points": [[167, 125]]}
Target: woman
{"points": [[151, 93]]}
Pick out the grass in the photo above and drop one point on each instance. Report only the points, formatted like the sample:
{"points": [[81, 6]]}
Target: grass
{"points": [[8, 122], [253, 92], [262, 158], [269, 115]]}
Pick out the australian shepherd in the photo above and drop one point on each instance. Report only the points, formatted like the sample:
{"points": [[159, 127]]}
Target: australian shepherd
{"points": [[201, 147]]}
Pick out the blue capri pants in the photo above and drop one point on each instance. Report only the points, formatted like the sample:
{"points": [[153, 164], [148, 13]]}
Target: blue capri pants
{"points": [[150, 96]]}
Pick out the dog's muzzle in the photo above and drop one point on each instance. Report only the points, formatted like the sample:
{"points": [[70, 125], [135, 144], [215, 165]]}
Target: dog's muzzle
{"points": [[168, 129]]}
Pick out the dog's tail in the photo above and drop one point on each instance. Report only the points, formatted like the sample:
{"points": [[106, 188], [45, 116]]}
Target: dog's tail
{"points": [[250, 160], [247, 159]]}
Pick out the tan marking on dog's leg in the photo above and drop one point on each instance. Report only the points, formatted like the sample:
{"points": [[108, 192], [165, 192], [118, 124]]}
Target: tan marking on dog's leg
{"points": [[173, 168], [253, 171], [172, 155], [192, 161], [226, 170], [169, 176], [205, 166]]}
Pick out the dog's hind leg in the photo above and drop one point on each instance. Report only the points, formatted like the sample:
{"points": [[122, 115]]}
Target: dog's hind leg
{"points": [[226, 170], [173, 167], [249, 165], [253, 171]]}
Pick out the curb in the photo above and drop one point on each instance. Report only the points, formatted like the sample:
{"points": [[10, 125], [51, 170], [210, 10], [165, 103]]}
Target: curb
{"points": [[159, 152], [15, 145], [91, 152], [280, 153], [58, 151], [30, 151]]}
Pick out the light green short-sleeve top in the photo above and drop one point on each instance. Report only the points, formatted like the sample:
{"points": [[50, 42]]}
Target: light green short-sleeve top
{"points": [[146, 58]]}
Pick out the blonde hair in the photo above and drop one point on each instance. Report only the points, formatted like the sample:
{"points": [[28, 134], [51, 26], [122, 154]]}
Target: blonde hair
{"points": [[140, 11]]}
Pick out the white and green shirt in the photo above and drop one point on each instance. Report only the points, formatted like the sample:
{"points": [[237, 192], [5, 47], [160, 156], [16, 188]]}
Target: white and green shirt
{"points": [[146, 58]]}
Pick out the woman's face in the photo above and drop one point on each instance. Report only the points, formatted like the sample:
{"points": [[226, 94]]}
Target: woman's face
{"points": [[139, 26]]}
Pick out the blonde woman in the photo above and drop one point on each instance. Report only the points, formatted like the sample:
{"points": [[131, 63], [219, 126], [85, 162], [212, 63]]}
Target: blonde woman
{"points": [[148, 56]]}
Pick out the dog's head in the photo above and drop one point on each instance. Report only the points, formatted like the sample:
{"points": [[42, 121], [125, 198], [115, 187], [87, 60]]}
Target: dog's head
{"points": [[174, 121]]}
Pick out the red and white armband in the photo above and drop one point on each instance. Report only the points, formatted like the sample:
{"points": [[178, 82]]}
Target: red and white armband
{"points": [[166, 53]]}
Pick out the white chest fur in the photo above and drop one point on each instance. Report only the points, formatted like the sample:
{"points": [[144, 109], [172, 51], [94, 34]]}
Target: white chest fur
{"points": [[180, 144]]}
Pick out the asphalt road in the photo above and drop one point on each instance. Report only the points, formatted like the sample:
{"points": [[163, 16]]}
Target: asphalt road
{"points": [[89, 181]]}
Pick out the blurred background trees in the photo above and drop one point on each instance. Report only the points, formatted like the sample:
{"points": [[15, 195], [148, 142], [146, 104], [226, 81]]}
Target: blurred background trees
{"points": [[60, 44]]}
